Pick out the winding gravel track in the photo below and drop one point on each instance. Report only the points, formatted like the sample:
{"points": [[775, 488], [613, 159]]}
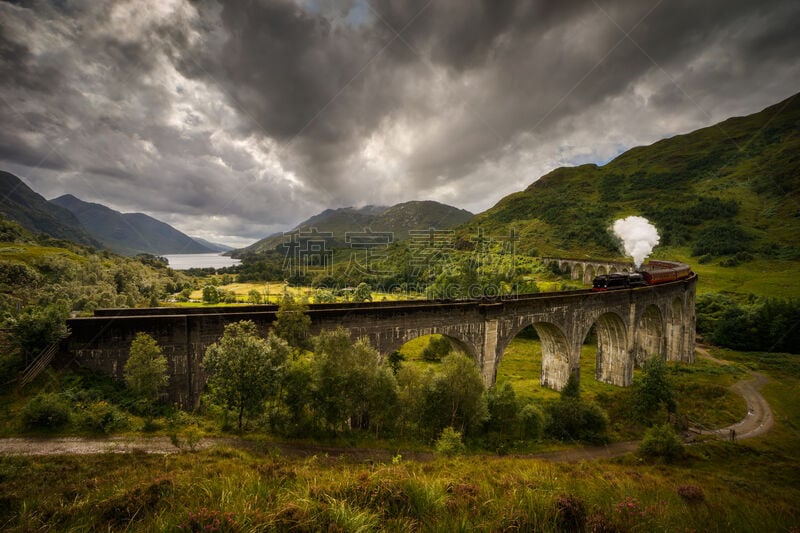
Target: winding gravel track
{"points": [[759, 420]]}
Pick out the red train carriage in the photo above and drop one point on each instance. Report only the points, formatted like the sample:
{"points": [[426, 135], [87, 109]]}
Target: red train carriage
{"points": [[652, 273]]}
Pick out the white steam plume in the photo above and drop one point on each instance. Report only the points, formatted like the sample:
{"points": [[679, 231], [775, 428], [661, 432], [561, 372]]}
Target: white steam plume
{"points": [[638, 236]]}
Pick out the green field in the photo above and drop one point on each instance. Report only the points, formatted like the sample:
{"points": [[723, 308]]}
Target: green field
{"points": [[260, 487]]}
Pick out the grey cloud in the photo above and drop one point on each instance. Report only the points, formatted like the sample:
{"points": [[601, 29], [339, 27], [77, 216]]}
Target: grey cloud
{"points": [[263, 112]]}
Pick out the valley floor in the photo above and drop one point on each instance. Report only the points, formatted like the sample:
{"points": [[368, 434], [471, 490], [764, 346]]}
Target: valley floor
{"points": [[758, 420]]}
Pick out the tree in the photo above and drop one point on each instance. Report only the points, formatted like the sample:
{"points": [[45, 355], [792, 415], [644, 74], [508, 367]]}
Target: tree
{"points": [[570, 418], [652, 390], [362, 293], [437, 348], [292, 323], [661, 442], [211, 294], [244, 369], [454, 396], [573, 388], [146, 368], [350, 385], [503, 410], [254, 297], [37, 327]]}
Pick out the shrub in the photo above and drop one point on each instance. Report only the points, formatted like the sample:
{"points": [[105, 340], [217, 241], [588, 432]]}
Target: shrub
{"points": [[570, 513], [531, 422], [449, 443], [721, 239], [10, 365], [102, 417], [209, 520], [46, 411], [571, 419], [691, 494], [661, 442], [188, 437]]}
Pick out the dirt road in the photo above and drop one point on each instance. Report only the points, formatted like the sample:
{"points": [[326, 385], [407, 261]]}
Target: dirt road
{"points": [[758, 420], [759, 417]]}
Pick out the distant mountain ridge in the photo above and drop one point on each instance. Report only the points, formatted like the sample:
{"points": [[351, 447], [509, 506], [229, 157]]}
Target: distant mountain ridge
{"points": [[32, 211], [129, 233], [398, 219], [215, 246]]}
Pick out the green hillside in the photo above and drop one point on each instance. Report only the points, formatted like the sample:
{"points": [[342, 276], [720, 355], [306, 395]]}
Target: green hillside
{"points": [[722, 195], [38, 270], [23, 205]]}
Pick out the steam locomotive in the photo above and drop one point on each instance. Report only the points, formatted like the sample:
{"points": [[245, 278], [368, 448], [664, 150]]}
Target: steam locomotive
{"points": [[652, 273]]}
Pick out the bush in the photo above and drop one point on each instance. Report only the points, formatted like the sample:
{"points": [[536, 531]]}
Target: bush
{"points": [[571, 419], [209, 520], [691, 493], [661, 442], [449, 443], [570, 513], [721, 239], [102, 417], [46, 411], [531, 422], [10, 365]]}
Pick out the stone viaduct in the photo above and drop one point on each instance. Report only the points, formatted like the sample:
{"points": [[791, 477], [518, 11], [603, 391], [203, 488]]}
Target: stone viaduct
{"points": [[630, 326], [585, 270]]}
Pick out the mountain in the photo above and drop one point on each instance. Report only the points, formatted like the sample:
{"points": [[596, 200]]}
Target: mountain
{"points": [[399, 219], [731, 190], [129, 233], [215, 246], [20, 203]]}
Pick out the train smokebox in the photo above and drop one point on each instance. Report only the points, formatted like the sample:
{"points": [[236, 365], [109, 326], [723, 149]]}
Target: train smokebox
{"points": [[638, 236]]}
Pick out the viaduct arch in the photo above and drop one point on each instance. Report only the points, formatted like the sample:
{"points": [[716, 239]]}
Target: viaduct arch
{"points": [[631, 325]]}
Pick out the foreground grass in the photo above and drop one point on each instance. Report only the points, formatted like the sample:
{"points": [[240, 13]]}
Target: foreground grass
{"points": [[748, 486], [264, 491]]}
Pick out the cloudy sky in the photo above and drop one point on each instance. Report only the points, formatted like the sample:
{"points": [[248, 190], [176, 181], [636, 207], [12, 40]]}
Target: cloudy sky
{"points": [[232, 120]]}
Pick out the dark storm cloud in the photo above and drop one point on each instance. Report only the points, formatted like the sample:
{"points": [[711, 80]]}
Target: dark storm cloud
{"points": [[255, 114]]}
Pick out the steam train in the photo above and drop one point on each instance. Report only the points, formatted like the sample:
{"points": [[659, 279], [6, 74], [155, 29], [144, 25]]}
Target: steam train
{"points": [[652, 273]]}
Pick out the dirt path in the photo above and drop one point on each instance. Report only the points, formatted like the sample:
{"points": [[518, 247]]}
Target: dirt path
{"points": [[758, 420], [759, 417]]}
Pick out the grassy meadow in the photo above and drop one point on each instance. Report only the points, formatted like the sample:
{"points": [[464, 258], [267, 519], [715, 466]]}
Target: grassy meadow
{"points": [[257, 487]]}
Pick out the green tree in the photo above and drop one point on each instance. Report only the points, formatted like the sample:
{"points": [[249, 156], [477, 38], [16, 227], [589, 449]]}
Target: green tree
{"points": [[350, 384], [254, 297], [146, 368], [437, 348], [292, 323], [573, 387], [652, 390], [449, 443], [662, 443], [570, 418], [37, 327], [503, 410], [362, 293], [244, 369], [211, 294], [455, 396]]}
